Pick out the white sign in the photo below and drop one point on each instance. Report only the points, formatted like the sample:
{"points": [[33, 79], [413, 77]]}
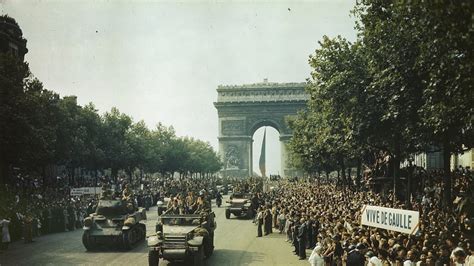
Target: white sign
{"points": [[399, 220], [85, 191], [76, 192]]}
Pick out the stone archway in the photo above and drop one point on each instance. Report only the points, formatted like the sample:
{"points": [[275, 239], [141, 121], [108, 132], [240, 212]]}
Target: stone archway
{"points": [[243, 109]]}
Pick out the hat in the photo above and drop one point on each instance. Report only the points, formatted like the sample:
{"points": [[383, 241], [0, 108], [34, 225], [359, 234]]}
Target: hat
{"points": [[369, 254]]}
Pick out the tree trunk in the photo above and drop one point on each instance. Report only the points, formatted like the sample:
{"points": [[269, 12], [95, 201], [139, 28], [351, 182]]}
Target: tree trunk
{"points": [[43, 173], [396, 176], [114, 173], [409, 180], [359, 176], [343, 172], [447, 201], [396, 169], [4, 178], [129, 172]]}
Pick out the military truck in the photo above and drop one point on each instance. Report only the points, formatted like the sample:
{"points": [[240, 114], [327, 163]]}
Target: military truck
{"points": [[183, 237], [115, 223], [240, 205]]}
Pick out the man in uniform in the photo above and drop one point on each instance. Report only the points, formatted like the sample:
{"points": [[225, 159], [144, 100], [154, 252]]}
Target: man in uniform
{"points": [[106, 193], [202, 205], [127, 193]]}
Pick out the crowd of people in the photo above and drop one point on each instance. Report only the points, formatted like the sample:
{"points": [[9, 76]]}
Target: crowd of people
{"points": [[326, 218], [319, 218], [30, 208]]}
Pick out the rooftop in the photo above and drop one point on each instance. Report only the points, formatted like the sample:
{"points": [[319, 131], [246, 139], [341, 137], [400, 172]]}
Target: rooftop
{"points": [[264, 84]]}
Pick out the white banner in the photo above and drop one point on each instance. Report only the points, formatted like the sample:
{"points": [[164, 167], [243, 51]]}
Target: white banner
{"points": [[85, 191], [76, 192], [399, 220]]}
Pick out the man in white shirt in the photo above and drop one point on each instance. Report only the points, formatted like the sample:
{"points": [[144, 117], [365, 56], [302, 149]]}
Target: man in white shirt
{"points": [[372, 259], [316, 259], [410, 257]]}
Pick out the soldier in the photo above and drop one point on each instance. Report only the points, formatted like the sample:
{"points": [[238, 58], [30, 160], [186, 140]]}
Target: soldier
{"points": [[174, 208], [202, 205], [127, 193], [106, 193]]}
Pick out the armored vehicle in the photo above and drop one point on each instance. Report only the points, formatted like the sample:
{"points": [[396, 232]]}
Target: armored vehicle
{"points": [[183, 237], [115, 223], [240, 204]]}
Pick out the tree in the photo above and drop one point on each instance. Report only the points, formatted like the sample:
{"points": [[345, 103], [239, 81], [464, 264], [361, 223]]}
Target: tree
{"points": [[91, 126], [138, 138], [395, 92], [446, 64], [328, 134], [13, 121], [114, 142]]}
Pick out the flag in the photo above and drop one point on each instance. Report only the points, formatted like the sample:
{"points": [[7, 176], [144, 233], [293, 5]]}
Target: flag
{"points": [[262, 155]]}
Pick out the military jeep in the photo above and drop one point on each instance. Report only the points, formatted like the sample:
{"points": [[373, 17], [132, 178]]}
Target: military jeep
{"points": [[240, 205], [114, 223], [183, 237]]}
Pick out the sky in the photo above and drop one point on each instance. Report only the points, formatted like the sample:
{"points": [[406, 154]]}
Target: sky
{"points": [[161, 61]]}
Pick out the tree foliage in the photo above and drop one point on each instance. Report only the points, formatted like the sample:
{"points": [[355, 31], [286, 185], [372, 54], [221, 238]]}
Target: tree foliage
{"points": [[40, 129], [405, 84]]}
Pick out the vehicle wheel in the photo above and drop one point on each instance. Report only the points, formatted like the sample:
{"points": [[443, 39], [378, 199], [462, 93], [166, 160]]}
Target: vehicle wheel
{"points": [[142, 232], [86, 241], [209, 245], [198, 257], [249, 213], [126, 240], [227, 214], [153, 259]]}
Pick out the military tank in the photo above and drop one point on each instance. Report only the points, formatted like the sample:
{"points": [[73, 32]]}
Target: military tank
{"points": [[115, 223]]}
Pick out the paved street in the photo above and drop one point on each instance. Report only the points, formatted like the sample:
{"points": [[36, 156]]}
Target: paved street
{"points": [[236, 244]]}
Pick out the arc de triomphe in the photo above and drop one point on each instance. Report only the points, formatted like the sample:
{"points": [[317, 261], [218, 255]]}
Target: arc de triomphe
{"points": [[245, 108]]}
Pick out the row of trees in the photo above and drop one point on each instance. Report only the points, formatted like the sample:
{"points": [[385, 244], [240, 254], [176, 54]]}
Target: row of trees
{"points": [[39, 128], [404, 85]]}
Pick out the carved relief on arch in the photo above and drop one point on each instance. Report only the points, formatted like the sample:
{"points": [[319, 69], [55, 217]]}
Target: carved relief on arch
{"points": [[233, 127], [232, 158]]}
